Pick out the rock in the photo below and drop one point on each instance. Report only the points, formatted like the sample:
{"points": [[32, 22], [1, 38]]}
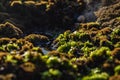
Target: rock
{"points": [[87, 17], [9, 30], [37, 39], [109, 15], [81, 18]]}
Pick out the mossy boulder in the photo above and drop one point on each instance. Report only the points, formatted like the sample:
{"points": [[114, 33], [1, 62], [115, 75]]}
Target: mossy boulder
{"points": [[17, 46], [10, 30], [90, 25], [37, 39]]}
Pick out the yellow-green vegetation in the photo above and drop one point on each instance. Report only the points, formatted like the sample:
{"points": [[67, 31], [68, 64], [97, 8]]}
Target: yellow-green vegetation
{"points": [[14, 45], [97, 51], [101, 76], [78, 55], [89, 52]]}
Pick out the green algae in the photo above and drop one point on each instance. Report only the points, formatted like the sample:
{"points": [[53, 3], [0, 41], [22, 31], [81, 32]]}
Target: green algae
{"points": [[90, 52]]}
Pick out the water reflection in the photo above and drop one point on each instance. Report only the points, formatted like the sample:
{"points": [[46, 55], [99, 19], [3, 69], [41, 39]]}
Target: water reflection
{"points": [[44, 50]]}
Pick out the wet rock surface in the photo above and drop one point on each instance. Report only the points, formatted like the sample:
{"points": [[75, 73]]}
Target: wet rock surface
{"points": [[10, 30]]}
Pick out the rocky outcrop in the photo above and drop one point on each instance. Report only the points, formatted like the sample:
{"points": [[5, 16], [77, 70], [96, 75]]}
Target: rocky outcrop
{"points": [[90, 51], [44, 15], [109, 15], [37, 39], [9, 30], [93, 6]]}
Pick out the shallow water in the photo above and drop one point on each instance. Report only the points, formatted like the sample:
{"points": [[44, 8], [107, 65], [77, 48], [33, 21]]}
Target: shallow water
{"points": [[45, 50]]}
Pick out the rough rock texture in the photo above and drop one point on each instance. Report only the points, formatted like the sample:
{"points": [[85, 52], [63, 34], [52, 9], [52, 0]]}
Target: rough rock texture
{"points": [[109, 15], [89, 51], [42, 15], [89, 13], [9, 30]]}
